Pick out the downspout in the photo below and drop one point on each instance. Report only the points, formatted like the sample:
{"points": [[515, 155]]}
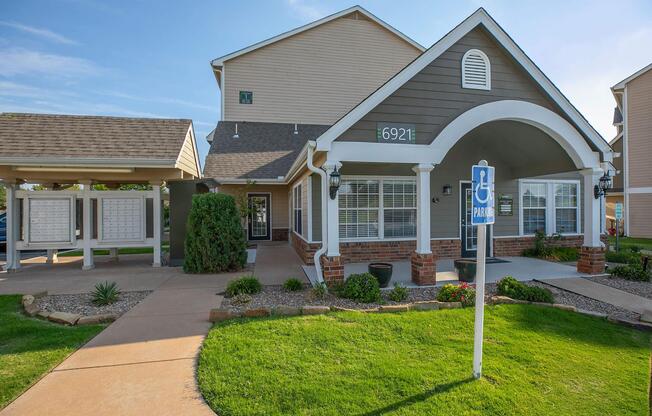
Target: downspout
{"points": [[324, 224]]}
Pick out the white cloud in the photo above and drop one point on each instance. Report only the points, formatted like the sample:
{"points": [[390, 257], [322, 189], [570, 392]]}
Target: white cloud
{"points": [[19, 61], [163, 100], [305, 11], [43, 33]]}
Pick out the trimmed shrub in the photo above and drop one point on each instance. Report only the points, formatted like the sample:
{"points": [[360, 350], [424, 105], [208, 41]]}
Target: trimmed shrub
{"points": [[510, 287], [247, 285], [398, 294], [361, 287], [105, 293], [623, 256], [293, 284], [215, 241], [319, 291], [631, 272], [463, 293]]}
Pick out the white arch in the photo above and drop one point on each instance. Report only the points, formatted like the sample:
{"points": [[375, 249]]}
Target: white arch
{"points": [[548, 121]]}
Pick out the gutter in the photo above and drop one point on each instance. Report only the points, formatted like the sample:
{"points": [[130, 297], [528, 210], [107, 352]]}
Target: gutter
{"points": [[324, 223]]}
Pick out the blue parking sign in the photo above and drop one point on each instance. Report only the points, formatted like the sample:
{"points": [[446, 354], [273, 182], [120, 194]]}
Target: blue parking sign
{"points": [[482, 201]]}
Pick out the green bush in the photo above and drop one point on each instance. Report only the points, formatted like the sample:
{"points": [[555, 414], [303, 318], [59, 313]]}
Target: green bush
{"points": [[319, 291], [361, 287], [457, 293], [510, 287], [631, 272], [215, 241], [625, 256], [398, 294], [105, 293], [248, 285], [293, 284]]}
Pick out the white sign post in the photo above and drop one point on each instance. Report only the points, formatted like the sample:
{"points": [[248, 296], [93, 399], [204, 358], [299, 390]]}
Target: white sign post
{"points": [[482, 213]]}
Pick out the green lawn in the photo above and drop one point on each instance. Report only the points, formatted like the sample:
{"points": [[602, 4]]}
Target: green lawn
{"points": [[125, 250], [30, 347], [538, 361], [642, 243]]}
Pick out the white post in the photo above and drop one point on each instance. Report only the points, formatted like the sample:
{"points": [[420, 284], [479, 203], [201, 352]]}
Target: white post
{"points": [[592, 219], [113, 254], [333, 214], [52, 256], [423, 207], [87, 212], [479, 300], [13, 255], [156, 213]]}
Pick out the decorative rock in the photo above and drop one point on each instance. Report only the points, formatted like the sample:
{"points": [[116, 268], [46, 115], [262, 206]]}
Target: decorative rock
{"points": [[341, 309], [27, 300], [394, 308], [31, 309], [315, 310], [646, 316], [370, 310], [257, 312], [284, 310], [43, 314], [429, 305], [591, 313], [218, 315], [564, 307], [450, 305], [96, 319], [497, 300], [64, 318]]}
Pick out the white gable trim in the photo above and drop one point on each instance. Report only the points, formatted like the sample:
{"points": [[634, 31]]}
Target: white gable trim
{"points": [[479, 17], [635, 75], [220, 61]]}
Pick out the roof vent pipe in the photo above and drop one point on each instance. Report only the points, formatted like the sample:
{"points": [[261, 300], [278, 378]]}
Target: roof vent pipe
{"points": [[236, 135], [295, 129]]}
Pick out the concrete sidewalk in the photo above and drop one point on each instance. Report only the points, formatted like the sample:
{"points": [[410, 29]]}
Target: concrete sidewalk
{"points": [[603, 293], [143, 364]]}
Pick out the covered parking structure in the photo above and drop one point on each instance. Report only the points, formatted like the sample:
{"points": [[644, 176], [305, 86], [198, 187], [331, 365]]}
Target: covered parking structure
{"points": [[59, 151]]}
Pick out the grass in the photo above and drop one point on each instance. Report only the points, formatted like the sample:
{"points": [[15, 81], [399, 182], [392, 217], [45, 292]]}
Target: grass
{"points": [[30, 347], [624, 242], [537, 361], [124, 250]]}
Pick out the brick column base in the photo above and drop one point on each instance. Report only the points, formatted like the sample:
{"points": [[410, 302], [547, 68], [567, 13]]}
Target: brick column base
{"points": [[333, 270], [424, 269], [591, 260]]}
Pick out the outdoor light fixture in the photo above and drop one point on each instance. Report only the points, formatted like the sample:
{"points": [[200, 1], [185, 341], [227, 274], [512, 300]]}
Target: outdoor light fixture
{"points": [[447, 190], [334, 183], [601, 188]]}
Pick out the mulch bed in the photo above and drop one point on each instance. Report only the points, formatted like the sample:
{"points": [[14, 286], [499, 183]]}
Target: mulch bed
{"points": [[82, 304]]}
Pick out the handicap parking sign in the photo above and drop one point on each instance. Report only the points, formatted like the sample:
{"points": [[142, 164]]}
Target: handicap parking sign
{"points": [[482, 201], [619, 210]]}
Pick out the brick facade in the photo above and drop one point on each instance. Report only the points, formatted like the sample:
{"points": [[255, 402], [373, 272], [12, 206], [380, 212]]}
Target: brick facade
{"points": [[280, 234], [304, 249], [333, 270], [424, 268], [514, 246], [591, 260]]}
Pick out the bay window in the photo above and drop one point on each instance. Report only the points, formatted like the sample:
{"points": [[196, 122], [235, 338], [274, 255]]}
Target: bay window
{"points": [[549, 206]]}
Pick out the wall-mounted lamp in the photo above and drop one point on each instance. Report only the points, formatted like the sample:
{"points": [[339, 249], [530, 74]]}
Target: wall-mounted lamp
{"points": [[447, 190], [334, 183], [604, 184]]}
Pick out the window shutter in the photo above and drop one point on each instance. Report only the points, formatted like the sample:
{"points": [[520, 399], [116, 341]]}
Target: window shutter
{"points": [[476, 70]]}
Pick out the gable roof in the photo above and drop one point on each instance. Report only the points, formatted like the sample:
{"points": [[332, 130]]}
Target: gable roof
{"points": [[217, 62], [479, 17], [261, 151], [52, 139], [635, 75]]}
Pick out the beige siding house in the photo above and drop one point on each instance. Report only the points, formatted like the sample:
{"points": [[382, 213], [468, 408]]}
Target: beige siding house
{"points": [[633, 119], [350, 99]]}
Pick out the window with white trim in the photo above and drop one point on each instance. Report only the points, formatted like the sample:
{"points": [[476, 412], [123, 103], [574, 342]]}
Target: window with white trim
{"points": [[550, 206], [377, 208], [476, 70], [297, 212]]}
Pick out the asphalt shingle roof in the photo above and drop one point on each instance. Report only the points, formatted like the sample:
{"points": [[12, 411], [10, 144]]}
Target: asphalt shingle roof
{"points": [[262, 151], [48, 135]]}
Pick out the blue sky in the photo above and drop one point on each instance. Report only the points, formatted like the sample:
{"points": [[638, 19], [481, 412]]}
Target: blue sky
{"points": [[151, 58]]}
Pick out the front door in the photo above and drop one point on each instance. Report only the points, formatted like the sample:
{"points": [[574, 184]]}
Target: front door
{"points": [[469, 233], [259, 220]]}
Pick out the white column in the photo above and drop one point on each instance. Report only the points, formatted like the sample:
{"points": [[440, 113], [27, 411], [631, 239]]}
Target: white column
{"points": [[52, 256], [87, 213], [591, 177], [423, 207], [13, 256], [332, 208], [156, 214]]}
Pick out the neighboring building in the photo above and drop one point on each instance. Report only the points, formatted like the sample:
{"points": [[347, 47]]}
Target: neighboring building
{"points": [[633, 141], [402, 126]]}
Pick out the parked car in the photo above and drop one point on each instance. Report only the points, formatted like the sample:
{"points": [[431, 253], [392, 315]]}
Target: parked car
{"points": [[3, 229]]}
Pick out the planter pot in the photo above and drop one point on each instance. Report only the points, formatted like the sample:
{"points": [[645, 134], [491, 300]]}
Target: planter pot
{"points": [[465, 270], [382, 272]]}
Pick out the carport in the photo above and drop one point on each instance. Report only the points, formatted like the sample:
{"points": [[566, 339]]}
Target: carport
{"points": [[101, 155]]}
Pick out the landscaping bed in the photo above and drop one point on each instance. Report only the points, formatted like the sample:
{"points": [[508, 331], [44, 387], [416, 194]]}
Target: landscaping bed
{"points": [[537, 360], [82, 304], [643, 289]]}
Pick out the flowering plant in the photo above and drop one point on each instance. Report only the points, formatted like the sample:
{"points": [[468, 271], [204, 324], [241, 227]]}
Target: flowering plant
{"points": [[463, 292]]}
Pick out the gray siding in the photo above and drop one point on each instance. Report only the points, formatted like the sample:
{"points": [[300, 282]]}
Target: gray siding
{"points": [[435, 97]]}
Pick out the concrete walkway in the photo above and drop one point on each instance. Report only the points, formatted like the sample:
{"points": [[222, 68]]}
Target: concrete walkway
{"points": [[276, 262], [142, 364], [603, 293]]}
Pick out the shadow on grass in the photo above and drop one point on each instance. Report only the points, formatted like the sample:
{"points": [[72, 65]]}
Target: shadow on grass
{"points": [[441, 388]]}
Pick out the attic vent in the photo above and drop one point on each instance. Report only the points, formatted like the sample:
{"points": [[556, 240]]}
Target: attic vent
{"points": [[476, 70]]}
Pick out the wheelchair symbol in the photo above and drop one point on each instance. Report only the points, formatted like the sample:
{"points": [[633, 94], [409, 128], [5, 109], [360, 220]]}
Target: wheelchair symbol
{"points": [[483, 185]]}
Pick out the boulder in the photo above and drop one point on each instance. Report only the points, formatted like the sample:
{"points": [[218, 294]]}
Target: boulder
{"points": [[341, 309], [284, 310], [64, 318], [43, 314], [450, 305], [564, 307], [497, 300], [315, 310], [218, 315], [428, 305], [257, 312], [394, 308], [27, 300], [96, 319], [31, 309]]}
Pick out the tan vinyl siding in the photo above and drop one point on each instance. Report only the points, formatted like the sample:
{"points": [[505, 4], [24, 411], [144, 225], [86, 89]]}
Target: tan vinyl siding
{"points": [[280, 207], [617, 146], [434, 97], [640, 215], [639, 131], [316, 76], [188, 158]]}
